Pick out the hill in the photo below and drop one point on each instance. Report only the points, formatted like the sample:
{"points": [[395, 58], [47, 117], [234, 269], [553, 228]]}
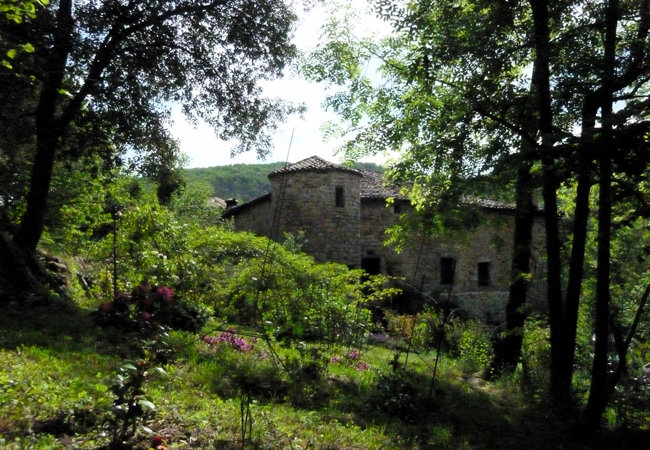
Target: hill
{"points": [[243, 181]]}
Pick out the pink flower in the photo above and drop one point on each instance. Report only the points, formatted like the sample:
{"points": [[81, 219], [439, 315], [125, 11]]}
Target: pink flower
{"points": [[230, 338], [362, 365], [353, 354], [335, 359], [165, 293]]}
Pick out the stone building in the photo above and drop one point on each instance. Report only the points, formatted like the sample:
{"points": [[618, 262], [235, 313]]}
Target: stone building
{"points": [[344, 213]]}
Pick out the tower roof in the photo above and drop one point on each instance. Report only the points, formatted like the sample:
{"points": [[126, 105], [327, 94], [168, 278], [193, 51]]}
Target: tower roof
{"points": [[313, 164]]}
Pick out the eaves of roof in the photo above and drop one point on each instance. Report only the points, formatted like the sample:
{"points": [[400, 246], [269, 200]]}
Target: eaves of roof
{"points": [[245, 206]]}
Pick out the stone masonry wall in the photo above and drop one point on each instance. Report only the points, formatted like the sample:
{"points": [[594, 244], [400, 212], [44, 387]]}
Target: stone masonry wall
{"points": [[419, 264], [256, 220], [309, 205]]}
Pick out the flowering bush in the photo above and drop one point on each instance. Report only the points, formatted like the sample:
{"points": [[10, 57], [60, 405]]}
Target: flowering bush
{"points": [[229, 338], [351, 355], [146, 306]]}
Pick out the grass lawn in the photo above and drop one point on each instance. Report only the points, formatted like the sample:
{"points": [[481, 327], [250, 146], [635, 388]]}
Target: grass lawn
{"points": [[67, 383]]}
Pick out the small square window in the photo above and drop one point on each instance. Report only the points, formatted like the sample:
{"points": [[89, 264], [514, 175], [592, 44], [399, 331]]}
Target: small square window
{"points": [[340, 197], [447, 269], [484, 274]]}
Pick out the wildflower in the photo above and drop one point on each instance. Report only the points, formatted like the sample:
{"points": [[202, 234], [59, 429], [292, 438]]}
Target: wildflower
{"points": [[362, 365], [335, 359], [353, 354], [230, 338]]}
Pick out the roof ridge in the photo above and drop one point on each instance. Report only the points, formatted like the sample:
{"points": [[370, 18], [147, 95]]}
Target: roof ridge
{"points": [[313, 163]]}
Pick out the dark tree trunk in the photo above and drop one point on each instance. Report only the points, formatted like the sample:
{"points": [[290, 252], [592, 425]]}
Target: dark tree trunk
{"points": [[508, 347], [599, 389], [576, 263], [559, 388], [48, 132]]}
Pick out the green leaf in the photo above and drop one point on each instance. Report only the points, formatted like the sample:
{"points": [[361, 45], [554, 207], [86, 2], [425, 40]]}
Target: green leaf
{"points": [[12, 53], [29, 48], [65, 92]]}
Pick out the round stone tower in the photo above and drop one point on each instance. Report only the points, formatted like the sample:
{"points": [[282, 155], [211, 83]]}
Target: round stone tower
{"points": [[322, 200]]}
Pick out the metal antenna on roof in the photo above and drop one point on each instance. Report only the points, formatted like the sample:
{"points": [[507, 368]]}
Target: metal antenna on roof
{"points": [[277, 213], [275, 227]]}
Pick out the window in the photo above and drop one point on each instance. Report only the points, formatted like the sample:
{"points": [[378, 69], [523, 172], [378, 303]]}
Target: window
{"points": [[397, 207], [484, 274], [447, 268], [340, 197], [371, 264]]}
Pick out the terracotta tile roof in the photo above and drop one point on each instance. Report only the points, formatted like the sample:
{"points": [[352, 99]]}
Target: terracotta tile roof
{"points": [[373, 187], [312, 164], [487, 203]]}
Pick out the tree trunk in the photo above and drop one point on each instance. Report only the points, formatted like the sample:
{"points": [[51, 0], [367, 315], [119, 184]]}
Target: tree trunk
{"points": [[508, 347], [599, 392], [48, 132], [559, 389], [580, 220]]}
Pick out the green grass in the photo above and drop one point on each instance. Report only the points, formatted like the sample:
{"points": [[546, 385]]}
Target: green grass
{"points": [[57, 369]]}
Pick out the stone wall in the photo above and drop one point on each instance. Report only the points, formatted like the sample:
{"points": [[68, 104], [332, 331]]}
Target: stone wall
{"points": [[419, 264], [309, 204], [256, 218]]}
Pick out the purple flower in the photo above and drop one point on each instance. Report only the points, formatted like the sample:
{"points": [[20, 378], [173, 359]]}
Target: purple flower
{"points": [[353, 354], [335, 359], [230, 338], [362, 365]]}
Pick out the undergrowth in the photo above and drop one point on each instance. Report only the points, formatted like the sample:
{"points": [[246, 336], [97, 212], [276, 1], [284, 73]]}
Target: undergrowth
{"points": [[66, 382]]}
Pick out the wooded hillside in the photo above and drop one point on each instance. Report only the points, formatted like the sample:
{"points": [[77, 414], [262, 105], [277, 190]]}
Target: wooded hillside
{"points": [[243, 181]]}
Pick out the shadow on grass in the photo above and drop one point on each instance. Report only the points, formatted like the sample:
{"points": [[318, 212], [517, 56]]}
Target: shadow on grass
{"points": [[60, 325], [460, 414]]}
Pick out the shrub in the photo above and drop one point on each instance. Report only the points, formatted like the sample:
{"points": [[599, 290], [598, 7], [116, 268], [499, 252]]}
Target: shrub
{"points": [[470, 342], [147, 306]]}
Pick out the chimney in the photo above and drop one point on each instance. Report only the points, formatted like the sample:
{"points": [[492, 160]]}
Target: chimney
{"points": [[230, 203]]}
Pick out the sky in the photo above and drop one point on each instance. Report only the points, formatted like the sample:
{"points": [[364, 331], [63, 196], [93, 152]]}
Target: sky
{"points": [[205, 150]]}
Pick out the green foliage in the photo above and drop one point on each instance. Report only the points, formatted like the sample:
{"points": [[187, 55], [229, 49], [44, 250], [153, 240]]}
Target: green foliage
{"points": [[470, 341], [241, 181], [130, 407], [422, 331], [535, 356], [292, 296], [196, 204]]}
